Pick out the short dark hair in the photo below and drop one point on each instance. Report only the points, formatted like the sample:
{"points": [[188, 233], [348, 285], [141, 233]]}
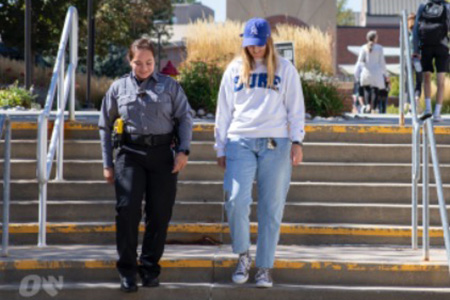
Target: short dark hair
{"points": [[141, 44]]}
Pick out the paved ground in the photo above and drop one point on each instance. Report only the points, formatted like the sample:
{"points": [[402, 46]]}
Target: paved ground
{"points": [[349, 119], [340, 254]]}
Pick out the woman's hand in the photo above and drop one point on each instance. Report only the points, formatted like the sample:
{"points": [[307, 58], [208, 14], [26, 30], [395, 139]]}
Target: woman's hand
{"points": [[108, 173], [180, 163], [296, 154], [221, 162]]}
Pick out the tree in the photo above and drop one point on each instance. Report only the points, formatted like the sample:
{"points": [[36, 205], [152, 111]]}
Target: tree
{"points": [[345, 17], [119, 22], [47, 21]]}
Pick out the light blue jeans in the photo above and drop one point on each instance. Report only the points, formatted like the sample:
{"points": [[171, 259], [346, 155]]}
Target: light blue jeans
{"points": [[248, 159]]}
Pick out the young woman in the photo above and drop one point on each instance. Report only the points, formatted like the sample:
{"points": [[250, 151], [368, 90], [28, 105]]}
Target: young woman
{"points": [[373, 70], [145, 164], [259, 133]]}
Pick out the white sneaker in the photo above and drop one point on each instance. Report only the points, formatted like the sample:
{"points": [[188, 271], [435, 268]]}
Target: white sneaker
{"points": [[437, 118], [240, 275], [427, 111], [263, 278]]}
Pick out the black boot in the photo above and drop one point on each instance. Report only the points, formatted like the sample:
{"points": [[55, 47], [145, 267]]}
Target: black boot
{"points": [[128, 284]]}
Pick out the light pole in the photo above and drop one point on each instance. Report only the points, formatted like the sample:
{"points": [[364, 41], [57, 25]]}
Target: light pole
{"points": [[28, 57], [90, 52], [160, 30]]}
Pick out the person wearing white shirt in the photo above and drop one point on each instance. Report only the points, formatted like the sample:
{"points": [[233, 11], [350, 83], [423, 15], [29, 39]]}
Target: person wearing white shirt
{"points": [[259, 132], [373, 70]]}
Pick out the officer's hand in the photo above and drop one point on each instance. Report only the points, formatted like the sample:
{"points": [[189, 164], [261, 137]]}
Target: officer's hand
{"points": [[180, 162], [296, 154], [108, 173], [221, 162]]}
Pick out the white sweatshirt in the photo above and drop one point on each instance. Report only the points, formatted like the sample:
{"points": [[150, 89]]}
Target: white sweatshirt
{"points": [[257, 111]]}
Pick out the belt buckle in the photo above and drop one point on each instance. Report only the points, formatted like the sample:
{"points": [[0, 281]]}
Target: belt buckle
{"points": [[148, 140]]}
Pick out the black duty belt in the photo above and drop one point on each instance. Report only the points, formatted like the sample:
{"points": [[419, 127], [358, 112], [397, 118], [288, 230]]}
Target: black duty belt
{"points": [[148, 140]]}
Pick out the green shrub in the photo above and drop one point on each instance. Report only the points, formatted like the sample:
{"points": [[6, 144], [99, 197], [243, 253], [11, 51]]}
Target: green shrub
{"points": [[392, 109], [201, 83], [322, 97], [395, 87], [16, 96]]}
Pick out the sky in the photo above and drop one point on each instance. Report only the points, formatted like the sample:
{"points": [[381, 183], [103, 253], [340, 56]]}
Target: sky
{"points": [[219, 7]]}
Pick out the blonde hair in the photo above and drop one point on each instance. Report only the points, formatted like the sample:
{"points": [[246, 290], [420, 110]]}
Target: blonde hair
{"points": [[248, 64]]}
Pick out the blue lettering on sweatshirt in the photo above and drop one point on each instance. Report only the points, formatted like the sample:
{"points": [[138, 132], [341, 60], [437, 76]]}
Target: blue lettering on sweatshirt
{"points": [[257, 80]]}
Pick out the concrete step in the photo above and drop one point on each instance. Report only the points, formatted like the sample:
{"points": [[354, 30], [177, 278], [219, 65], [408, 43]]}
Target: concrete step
{"points": [[85, 128], [212, 212], [297, 265], [220, 291], [205, 191], [91, 149], [217, 233], [208, 170], [368, 133], [203, 151]]}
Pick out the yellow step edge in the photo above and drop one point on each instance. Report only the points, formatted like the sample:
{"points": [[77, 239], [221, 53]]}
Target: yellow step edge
{"points": [[225, 263], [292, 229], [326, 128]]}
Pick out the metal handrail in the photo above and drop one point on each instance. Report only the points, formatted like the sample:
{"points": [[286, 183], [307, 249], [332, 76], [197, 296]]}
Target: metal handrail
{"points": [[429, 143], [6, 123], [65, 84]]}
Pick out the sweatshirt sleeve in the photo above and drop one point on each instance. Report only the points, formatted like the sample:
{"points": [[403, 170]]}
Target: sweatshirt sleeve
{"points": [[415, 31], [295, 104], [224, 112]]}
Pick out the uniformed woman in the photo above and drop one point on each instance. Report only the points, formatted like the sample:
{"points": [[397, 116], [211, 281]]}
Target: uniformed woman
{"points": [[153, 108]]}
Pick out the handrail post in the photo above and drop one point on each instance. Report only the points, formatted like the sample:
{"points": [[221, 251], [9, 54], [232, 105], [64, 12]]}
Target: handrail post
{"points": [[401, 119], [42, 178], [425, 197], [60, 147], [440, 192], [414, 189], [73, 61], [6, 187]]}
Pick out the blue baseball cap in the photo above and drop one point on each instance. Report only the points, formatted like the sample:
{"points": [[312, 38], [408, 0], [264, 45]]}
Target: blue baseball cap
{"points": [[256, 32]]}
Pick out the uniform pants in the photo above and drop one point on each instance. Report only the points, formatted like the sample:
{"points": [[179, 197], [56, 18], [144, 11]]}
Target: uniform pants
{"points": [[248, 159], [143, 171]]}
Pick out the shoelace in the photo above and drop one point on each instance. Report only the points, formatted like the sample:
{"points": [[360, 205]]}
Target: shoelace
{"points": [[242, 265], [263, 274]]}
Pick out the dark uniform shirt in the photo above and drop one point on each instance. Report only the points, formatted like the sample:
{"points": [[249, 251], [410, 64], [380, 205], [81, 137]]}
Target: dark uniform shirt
{"points": [[147, 107]]}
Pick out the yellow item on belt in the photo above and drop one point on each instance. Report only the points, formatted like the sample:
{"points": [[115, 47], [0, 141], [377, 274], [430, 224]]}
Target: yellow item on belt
{"points": [[118, 126]]}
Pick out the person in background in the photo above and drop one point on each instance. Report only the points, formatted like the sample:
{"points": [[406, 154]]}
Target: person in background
{"points": [[417, 68], [153, 109], [259, 133], [383, 96], [373, 70], [430, 43], [358, 93]]}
